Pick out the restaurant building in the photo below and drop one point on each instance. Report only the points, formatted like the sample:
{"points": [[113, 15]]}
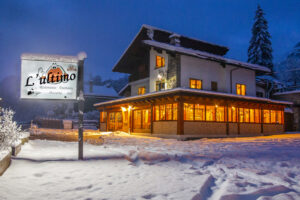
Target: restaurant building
{"points": [[180, 86]]}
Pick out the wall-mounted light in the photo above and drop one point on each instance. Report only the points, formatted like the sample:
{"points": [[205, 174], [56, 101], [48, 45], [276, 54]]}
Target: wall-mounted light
{"points": [[129, 108], [123, 109]]}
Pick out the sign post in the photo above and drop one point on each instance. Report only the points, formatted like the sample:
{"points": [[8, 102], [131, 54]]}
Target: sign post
{"points": [[81, 56], [55, 77]]}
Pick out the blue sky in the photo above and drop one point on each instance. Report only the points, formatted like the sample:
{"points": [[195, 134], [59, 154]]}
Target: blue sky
{"points": [[104, 29]]}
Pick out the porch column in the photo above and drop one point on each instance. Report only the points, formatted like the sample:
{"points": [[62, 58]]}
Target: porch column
{"points": [[180, 122]]}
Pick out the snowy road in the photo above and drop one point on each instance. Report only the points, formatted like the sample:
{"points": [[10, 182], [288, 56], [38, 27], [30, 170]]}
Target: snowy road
{"points": [[128, 167]]}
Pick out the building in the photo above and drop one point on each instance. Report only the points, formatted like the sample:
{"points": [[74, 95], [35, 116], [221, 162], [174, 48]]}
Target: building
{"points": [[180, 86]]}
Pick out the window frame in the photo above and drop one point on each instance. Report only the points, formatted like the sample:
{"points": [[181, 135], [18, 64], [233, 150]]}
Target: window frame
{"points": [[193, 79], [162, 62], [240, 85], [143, 91]]}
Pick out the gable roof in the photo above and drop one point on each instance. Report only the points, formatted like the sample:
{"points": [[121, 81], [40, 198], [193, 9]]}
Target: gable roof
{"points": [[190, 46]]}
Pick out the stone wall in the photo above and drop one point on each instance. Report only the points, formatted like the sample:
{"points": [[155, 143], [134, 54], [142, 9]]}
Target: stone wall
{"points": [[173, 69], [103, 127], [165, 127], [250, 129], [273, 128], [205, 128]]}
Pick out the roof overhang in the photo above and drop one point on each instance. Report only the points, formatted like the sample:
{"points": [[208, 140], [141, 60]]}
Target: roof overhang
{"points": [[191, 91]]}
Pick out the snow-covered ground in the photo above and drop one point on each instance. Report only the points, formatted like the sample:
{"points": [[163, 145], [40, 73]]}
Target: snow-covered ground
{"points": [[133, 167]]}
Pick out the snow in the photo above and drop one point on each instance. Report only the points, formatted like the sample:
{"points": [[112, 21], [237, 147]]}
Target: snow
{"points": [[180, 89], [100, 90], [205, 55], [135, 167], [48, 57]]}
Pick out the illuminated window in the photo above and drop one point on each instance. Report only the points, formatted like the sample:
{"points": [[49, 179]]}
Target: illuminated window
{"points": [[199, 112], [156, 113], [137, 119], [234, 114], [220, 116], [188, 111], [160, 61], [169, 112], [279, 117], [240, 89], [195, 84], [246, 115], [165, 112], [175, 111], [257, 115], [266, 116], [160, 85], [103, 116], [210, 113], [141, 90], [273, 116], [252, 118], [241, 115], [162, 112]]}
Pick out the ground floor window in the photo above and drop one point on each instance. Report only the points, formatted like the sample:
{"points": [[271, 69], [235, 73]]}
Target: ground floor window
{"points": [[115, 121], [142, 119], [273, 116], [165, 112]]}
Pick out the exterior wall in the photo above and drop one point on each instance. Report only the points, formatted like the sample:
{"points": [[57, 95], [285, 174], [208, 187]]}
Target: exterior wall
{"points": [[205, 128], [155, 72], [273, 128], [233, 129], [165, 127], [103, 127], [250, 129], [139, 83], [209, 71]]}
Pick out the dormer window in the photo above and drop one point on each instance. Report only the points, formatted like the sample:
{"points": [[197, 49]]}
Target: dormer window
{"points": [[195, 84], [240, 89], [160, 61]]}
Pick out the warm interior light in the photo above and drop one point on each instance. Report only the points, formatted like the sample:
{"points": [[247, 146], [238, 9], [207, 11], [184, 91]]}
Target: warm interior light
{"points": [[123, 109], [129, 107], [216, 106]]}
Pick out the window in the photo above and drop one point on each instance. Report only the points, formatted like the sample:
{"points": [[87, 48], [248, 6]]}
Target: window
{"points": [[257, 115], [137, 119], [160, 85], [240, 89], [220, 115], [141, 90], [246, 115], [188, 111], [142, 119], [160, 61], [273, 116], [252, 116], [103, 116], [279, 117], [214, 86], [210, 113], [241, 114], [195, 84], [162, 112], [266, 116], [199, 112], [165, 112]]}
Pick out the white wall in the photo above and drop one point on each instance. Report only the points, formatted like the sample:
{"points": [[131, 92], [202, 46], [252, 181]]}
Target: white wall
{"points": [[139, 83], [209, 71], [153, 72]]}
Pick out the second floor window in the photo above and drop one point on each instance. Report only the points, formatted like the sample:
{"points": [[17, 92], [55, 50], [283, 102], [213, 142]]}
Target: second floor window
{"points": [[240, 89], [160, 85], [214, 86], [195, 84], [141, 90], [160, 61]]}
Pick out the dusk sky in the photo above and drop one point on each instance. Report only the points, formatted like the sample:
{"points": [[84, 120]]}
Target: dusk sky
{"points": [[104, 29]]}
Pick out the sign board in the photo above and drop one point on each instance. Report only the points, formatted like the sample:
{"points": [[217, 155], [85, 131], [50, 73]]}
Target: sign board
{"points": [[49, 77]]}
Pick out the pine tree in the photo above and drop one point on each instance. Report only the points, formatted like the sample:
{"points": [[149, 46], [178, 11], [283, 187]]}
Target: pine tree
{"points": [[260, 49]]}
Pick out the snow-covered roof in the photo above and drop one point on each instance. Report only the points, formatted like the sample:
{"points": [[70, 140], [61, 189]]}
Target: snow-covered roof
{"points": [[194, 91], [100, 90], [48, 57], [288, 92], [205, 55]]}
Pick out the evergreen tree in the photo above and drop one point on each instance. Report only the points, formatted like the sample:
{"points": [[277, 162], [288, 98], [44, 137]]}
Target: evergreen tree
{"points": [[260, 49]]}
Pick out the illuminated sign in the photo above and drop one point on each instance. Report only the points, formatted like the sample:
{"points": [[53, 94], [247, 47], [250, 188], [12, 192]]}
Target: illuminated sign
{"points": [[49, 77]]}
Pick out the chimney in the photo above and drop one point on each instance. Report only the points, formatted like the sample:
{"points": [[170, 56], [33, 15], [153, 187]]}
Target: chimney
{"points": [[175, 39]]}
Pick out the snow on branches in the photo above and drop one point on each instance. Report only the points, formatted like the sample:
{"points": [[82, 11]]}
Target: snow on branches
{"points": [[10, 131]]}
